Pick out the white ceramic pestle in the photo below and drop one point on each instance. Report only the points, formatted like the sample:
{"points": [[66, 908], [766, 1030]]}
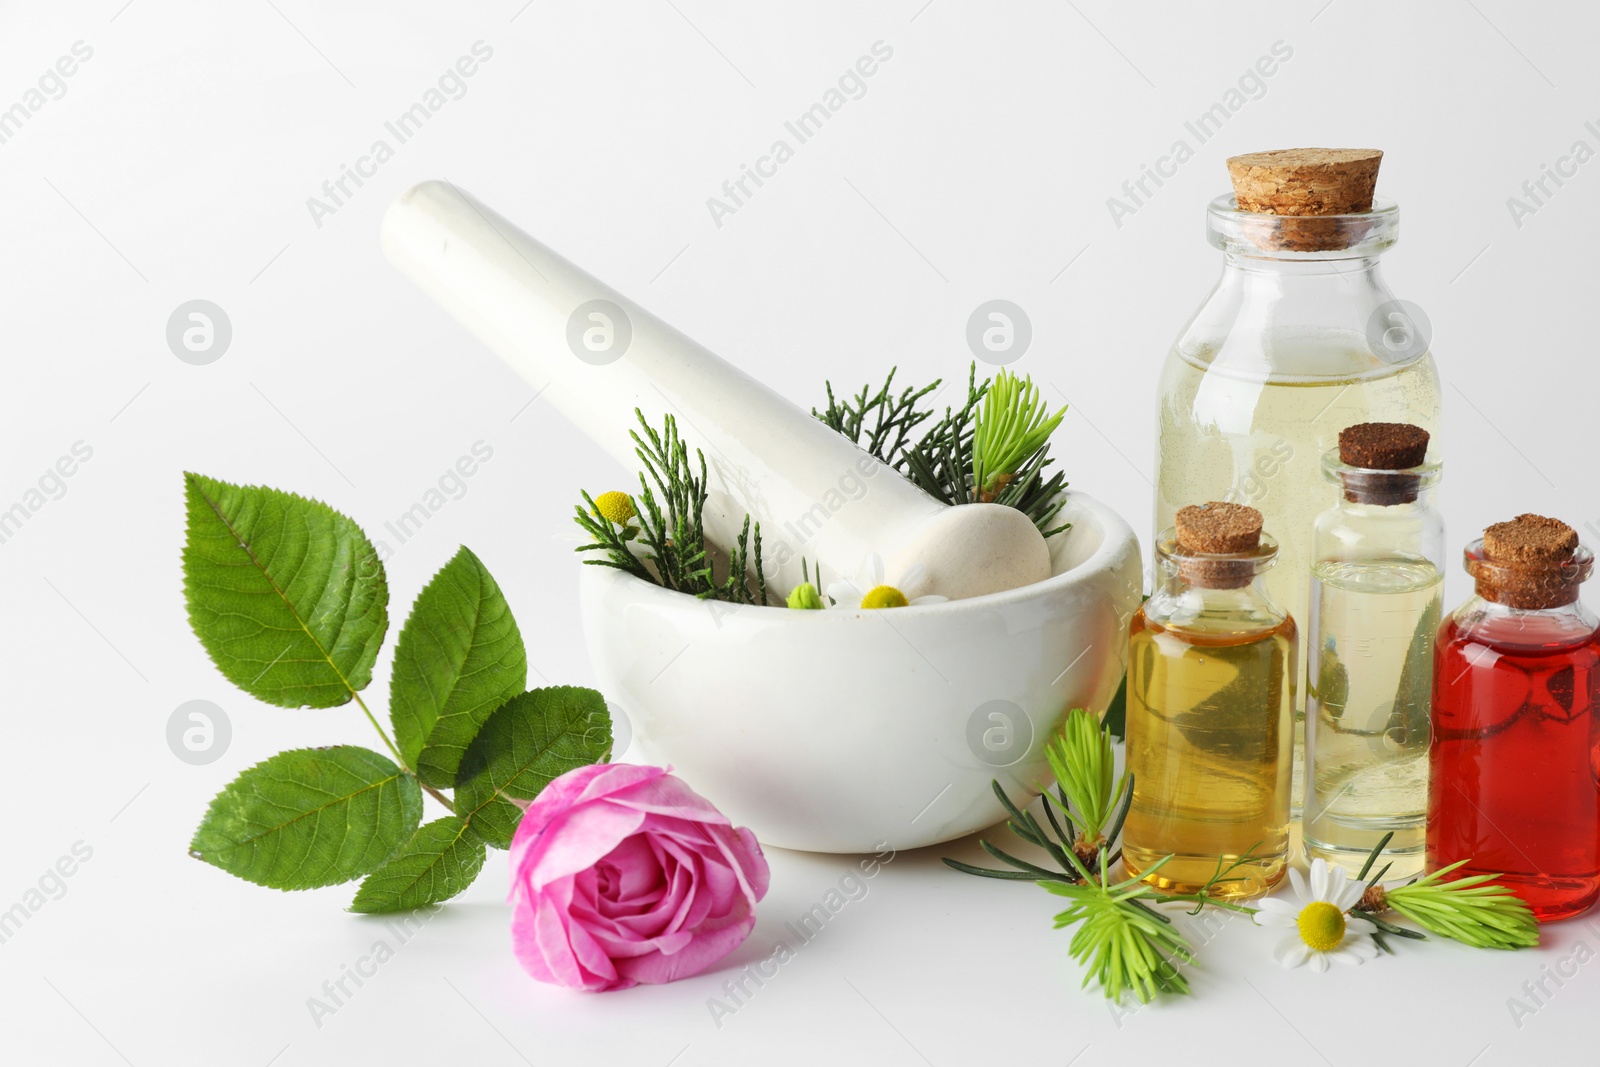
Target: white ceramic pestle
{"points": [[598, 356]]}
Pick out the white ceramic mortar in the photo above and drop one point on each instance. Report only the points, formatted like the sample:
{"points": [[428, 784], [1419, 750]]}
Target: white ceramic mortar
{"points": [[845, 731]]}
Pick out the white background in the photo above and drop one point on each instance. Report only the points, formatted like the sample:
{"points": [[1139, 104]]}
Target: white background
{"points": [[177, 165]]}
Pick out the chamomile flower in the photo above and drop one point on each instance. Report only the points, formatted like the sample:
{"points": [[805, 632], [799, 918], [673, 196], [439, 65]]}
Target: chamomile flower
{"points": [[872, 589], [1320, 920], [615, 507]]}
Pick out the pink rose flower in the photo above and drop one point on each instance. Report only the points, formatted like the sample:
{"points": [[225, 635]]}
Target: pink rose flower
{"points": [[622, 874]]}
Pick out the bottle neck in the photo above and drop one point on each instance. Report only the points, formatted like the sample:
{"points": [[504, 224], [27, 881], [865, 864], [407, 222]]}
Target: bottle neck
{"points": [[1183, 604], [1313, 292]]}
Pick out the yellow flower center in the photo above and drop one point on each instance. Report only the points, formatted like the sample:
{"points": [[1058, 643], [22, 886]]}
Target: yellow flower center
{"points": [[615, 507], [885, 596], [1321, 926]]}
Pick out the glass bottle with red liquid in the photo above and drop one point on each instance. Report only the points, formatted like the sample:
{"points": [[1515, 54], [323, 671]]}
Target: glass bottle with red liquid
{"points": [[1515, 757]]}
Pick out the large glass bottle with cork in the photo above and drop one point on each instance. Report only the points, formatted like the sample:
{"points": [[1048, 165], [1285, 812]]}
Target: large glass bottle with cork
{"points": [[1300, 338]]}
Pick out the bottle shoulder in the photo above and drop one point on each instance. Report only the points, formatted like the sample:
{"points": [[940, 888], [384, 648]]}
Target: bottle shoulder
{"points": [[1311, 358], [1195, 620], [1561, 631]]}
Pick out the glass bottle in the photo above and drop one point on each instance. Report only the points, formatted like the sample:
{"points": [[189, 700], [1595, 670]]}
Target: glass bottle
{"points": [[1515, 760], [1211, 693], [1299, 338], [1376, 585]]}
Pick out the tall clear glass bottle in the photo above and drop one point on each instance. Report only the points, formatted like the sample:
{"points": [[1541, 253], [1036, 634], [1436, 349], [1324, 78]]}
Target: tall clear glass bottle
{"points": [[1300, 338], [1211, 693], [1377, 578]]}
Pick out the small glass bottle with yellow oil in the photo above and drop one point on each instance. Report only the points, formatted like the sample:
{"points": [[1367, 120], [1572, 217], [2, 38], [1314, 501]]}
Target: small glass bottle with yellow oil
{"points": [[1211, 699]]}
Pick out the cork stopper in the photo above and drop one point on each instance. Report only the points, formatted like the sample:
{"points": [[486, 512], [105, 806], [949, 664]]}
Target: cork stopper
{"points": [[1379, 448], [1383, 446], [1530, 541], [1303, 186], [1527, 563], [1213, 529], [1306, 181]]}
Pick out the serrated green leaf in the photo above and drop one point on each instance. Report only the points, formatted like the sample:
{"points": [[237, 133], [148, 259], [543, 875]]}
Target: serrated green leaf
{"points": [[287, 595], [310, 817], [439, 861], [495, 822], [459, 657], [528, 743]]}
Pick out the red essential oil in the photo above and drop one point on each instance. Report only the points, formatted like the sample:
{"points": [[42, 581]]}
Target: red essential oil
{"points": [[1515, 756]]}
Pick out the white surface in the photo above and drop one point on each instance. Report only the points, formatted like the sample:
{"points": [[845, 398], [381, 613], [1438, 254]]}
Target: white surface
{"points": [[977, 165]]}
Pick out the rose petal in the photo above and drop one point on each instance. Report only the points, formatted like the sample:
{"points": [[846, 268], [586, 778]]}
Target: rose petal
{"points": [[666, 795], [553, 950], [578, 786], [575, 840]]}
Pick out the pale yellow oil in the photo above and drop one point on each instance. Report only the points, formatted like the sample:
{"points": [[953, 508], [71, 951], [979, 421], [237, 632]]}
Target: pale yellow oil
{"points": [[1367, 710], [1209, 739], [1258, 439]]}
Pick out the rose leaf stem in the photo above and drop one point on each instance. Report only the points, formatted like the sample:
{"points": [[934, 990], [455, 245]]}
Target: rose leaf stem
{"points": [[430, 790]]}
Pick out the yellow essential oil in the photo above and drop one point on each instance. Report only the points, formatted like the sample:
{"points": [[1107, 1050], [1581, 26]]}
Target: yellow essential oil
{"points": [[1210, 715]]}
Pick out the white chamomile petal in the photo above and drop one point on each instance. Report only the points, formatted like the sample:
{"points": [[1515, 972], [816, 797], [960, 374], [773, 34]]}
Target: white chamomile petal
{"points": [[1350, 896], [1274, 912], [1339, 886], [1319, 880], [1298, 882], [931, 598], [1357, 948], [1319, 961], [1291, 952], [913, 582], [844, 593]]}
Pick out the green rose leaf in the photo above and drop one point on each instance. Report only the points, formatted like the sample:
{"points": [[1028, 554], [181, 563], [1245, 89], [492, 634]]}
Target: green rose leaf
{"points": [[438, 862], [528, 743], [310, 817], [287, 595], [459, 658]]}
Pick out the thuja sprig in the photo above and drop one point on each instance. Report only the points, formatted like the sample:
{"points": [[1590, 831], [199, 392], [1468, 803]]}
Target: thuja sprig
{"points": [[879, 421], [668, 545], [1472, 910]]}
